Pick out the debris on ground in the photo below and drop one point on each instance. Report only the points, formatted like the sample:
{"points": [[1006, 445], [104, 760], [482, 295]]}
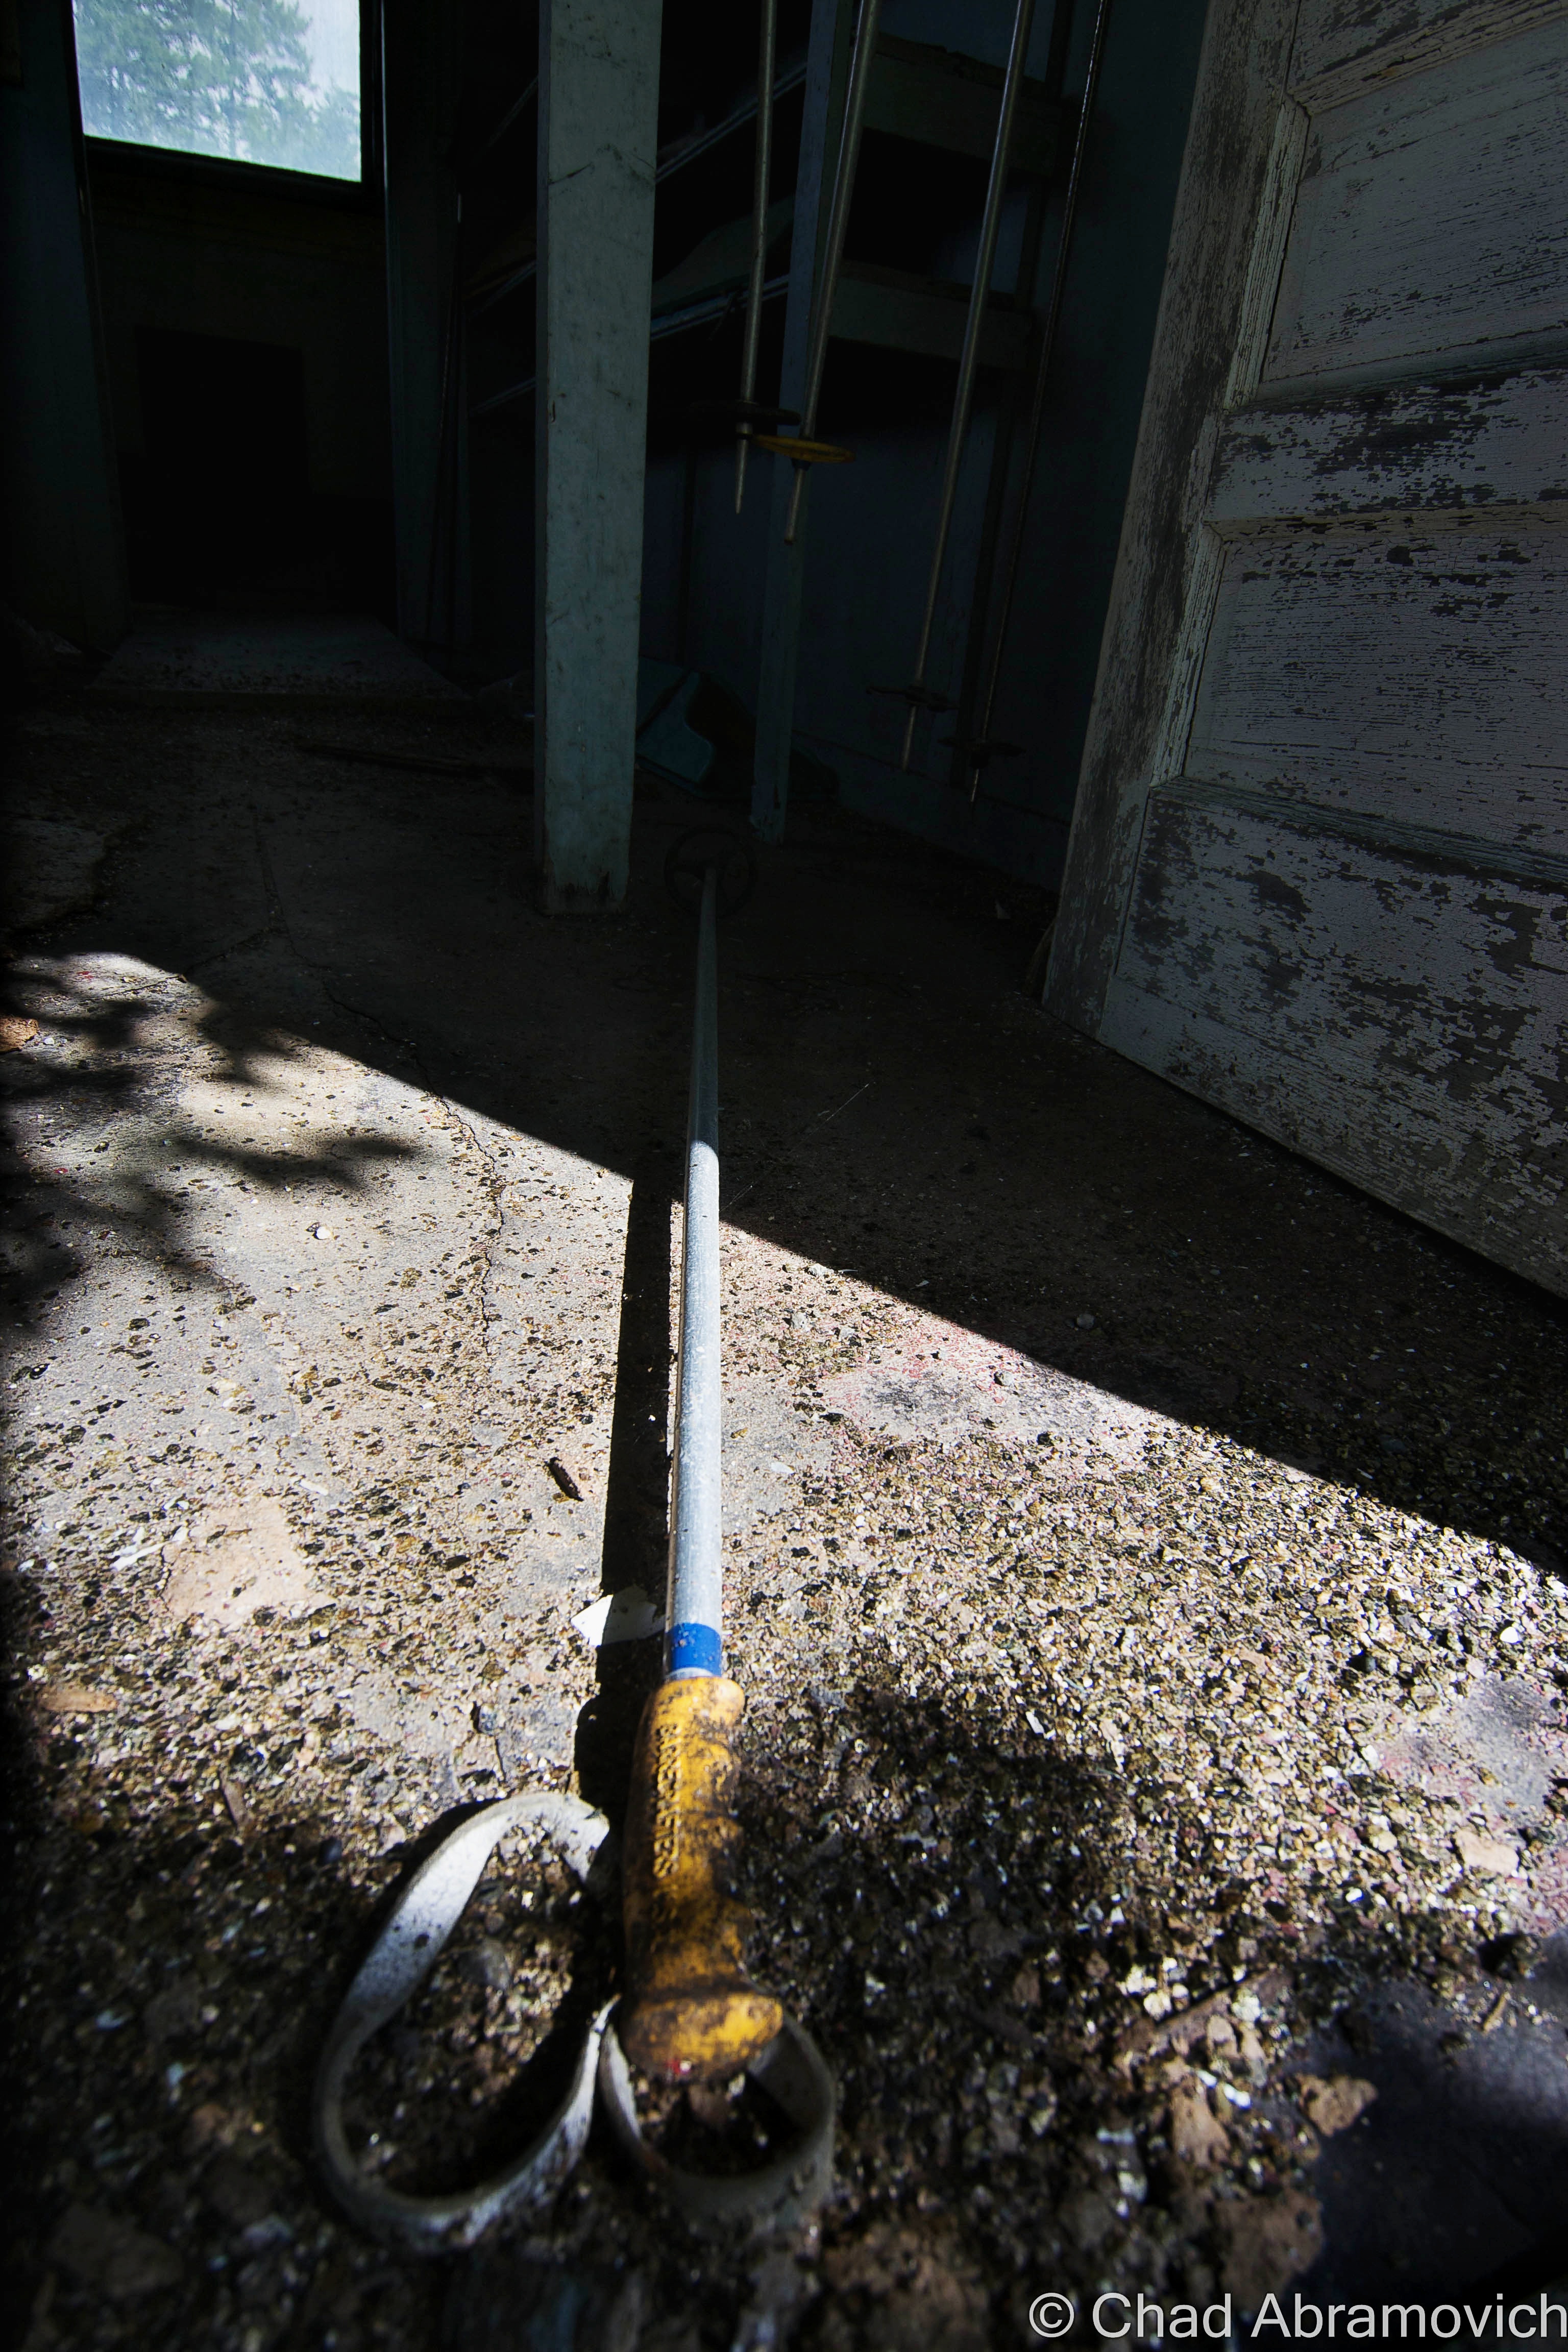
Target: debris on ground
{"points": [[1145, 1566]]}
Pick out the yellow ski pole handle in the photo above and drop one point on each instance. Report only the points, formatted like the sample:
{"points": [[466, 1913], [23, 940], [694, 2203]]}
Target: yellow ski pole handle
{"points": [[688, 2012], [804, 452]]}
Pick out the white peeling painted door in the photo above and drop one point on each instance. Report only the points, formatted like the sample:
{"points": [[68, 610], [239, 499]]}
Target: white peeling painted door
{"points": [[1319, 866]]}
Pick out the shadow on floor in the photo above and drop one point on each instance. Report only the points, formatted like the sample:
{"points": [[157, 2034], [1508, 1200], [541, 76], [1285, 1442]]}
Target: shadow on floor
{"points": [[892, 1104]]}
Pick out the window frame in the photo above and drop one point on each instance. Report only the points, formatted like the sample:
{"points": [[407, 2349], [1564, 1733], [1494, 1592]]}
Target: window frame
{"points": [[365, 194]]}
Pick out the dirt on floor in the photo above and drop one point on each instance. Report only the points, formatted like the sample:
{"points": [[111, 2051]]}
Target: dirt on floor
{"points": [[1145, 1569]]}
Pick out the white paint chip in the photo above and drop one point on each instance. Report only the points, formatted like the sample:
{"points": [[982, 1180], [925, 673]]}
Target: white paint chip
{"points": [[624, 1616]]}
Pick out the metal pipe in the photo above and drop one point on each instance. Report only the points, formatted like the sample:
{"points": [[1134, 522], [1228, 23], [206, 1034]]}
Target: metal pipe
{"points": [[517, 107], [446, 419], [969, 359], [764, 165], [1042, 372], [706, 140], [687, 2010], [838, 222], [693, 1642]]}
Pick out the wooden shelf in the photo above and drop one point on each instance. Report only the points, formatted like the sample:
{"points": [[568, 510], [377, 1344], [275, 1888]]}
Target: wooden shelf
{"points": [[721, 262], [939, 99], [932, 97], [897, 312], [509, 262], [682, 151]]}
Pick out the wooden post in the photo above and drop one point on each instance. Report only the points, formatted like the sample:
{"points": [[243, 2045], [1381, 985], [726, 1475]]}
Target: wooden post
{"points": [[827, 63], [599, 105]]}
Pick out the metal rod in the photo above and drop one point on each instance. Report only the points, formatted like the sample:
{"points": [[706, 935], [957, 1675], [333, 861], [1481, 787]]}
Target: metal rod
{"points": [[1009, 424], [1042, 372], [687, 551], [764, 165], [969, 360], [487, 294], [693, 1642], [446, 419], [706, 140], [517, 107], [838, 222]]}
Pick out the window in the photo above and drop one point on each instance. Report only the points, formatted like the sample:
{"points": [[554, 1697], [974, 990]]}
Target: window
{"points": [[263, 81]]}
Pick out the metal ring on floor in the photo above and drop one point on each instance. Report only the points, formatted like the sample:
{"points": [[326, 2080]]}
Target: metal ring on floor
{"points": [[781, 2194], [398, 1962]]}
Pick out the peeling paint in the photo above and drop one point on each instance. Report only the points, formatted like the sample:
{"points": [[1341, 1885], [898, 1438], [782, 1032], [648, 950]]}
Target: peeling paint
{"points": [[1342, 771]]}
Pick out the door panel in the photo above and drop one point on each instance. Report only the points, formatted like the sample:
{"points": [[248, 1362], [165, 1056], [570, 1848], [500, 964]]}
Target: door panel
{"points": [[1341, 46], [1319, 870], [1389, 1014], [1395, 669], [1396, 971], [1443, 445], [1429, 220]]}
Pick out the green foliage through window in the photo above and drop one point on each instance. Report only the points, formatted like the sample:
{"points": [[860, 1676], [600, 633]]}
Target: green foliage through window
{"points": [[266, 81]]}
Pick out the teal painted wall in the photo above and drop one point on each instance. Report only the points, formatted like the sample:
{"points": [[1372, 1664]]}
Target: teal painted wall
{"points": [[871, 523]]}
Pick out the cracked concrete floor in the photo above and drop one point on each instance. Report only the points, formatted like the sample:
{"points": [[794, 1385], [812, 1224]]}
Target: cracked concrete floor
{"points": [[1145, 1570]]}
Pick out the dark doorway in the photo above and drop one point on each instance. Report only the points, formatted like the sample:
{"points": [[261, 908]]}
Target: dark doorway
{"points": [[220, 508], [220, 502]]}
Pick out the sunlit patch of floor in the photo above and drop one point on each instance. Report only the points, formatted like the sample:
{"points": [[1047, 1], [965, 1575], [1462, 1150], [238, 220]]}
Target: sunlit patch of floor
{"points": [[1096, 1759], [1099, 1759], [351, 1323]]}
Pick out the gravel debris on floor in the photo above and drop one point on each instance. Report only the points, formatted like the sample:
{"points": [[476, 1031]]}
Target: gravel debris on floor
{"points": [[1151, 1650]]}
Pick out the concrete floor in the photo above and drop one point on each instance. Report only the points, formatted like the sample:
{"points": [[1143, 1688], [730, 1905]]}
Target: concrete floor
{"points": [[189, 658], [1146, 1573]]}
